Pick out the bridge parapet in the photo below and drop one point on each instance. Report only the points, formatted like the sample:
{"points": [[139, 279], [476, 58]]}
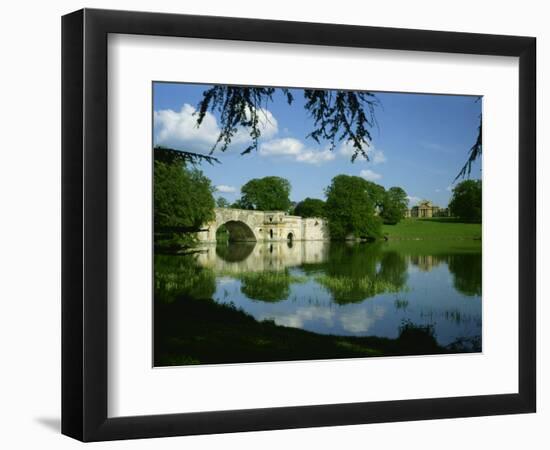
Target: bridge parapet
{"points": [[250, 225]]}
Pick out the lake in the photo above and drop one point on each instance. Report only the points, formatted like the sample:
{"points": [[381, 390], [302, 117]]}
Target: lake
{"points": [[335, 289]]}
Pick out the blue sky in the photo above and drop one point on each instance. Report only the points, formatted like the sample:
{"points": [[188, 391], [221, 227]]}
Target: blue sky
{"points": [[420, 144]]}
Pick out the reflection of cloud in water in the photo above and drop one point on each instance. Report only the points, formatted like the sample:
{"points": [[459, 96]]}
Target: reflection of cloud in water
{"points": [[300, 316], [360, 320], [307, 305], [225, 280]]}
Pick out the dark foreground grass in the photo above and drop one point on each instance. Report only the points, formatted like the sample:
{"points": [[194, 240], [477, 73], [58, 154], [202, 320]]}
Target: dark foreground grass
{"points": [[432, 229], [190, 331]]}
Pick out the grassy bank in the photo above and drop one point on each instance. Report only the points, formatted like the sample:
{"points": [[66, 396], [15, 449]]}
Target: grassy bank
{"points": [[432, 229], [190, 331]]}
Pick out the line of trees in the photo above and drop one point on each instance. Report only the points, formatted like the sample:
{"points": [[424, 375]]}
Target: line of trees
{"points": [[357, 207], [184, 202], [354, 206], [466, 201]]}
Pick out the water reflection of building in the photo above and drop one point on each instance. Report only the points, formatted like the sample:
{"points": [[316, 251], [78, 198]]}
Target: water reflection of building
{"points": [[425, 262], [260, 257]]}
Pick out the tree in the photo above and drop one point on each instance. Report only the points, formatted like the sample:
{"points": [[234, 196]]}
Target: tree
{"points": [[466, 201], [173, 156], [466, 270], [266, 194], [337, 115], [475, 150], [310, 207], [222, 202], [376, 192], [394, 205], [238, 204], [350, 209], [183, 204]]}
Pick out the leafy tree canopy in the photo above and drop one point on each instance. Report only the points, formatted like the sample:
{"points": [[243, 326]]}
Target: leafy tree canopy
{"points": [[394, 205], [239, 204], [183, 203], [337, 115], [222, 202], [466, 201], [350, 208], [376, 192], [310, 207], [266, 194]]}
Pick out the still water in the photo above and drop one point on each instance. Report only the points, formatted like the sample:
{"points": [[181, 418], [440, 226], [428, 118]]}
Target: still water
{"points": [[359, 289]]}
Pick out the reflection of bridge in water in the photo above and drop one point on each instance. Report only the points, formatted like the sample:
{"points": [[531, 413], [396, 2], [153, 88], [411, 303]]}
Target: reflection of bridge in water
{"points": [[260, 257]]}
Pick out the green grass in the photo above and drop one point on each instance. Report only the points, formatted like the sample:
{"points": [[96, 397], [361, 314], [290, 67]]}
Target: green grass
{"points": [[432, 229], [434, 247]]}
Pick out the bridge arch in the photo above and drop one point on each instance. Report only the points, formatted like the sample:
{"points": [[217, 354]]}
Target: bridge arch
{"points": [[239, 231], [251, 226]]}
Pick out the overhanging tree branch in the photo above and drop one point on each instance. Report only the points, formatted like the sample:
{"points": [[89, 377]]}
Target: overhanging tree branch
{"points": [[170, 155], [338, 115], [474, 152]]}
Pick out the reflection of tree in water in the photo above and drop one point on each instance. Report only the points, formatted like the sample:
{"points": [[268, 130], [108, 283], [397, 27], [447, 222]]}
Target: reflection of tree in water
{"points": [[268, 286], [235, 252], [393, 269], [466, 270], [177, 276], [354, 273]]}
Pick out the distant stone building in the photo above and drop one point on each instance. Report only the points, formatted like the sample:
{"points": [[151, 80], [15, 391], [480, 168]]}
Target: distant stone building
{"points": [[426, 209]]}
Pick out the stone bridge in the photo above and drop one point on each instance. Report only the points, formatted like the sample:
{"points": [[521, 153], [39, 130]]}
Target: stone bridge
{"points": [[246, 225]]}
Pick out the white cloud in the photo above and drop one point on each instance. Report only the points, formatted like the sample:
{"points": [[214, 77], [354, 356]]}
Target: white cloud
{"points": [[226, 189], [315, 156], [375, 156], [370, 175], [449, 188], [178, 129], [413, 199], [284, 146], [295, 149], [268, 126]]}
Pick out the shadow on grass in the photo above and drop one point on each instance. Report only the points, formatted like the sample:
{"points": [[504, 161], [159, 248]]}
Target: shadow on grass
{"points": [[445, 220]]}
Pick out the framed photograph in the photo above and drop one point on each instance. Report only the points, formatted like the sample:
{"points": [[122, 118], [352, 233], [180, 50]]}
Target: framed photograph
{"points": [[273, 224]]}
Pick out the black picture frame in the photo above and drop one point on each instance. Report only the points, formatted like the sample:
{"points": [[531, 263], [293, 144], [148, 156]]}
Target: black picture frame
{"points": [[84, 224]]}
